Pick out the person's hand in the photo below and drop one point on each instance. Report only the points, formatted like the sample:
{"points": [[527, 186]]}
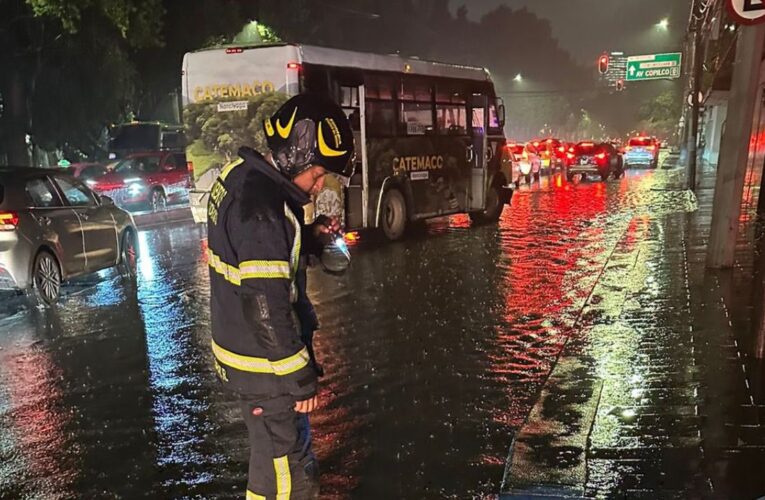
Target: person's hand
{"points": [[308, 405], [326, 225]]}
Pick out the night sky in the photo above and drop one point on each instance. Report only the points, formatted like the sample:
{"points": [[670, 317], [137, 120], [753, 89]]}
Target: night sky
{"points": [[585, 28]]}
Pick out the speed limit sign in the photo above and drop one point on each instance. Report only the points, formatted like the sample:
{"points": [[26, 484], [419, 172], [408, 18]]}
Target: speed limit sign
{"points": [[747, 11]]}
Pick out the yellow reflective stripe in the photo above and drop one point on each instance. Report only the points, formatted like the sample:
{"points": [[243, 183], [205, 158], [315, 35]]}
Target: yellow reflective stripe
{"points": [[231, 166], [252, 364], [251, 269], [254, 496], [264, 269], [292, 364], [295, 255], [283, 478], [229, 272]]}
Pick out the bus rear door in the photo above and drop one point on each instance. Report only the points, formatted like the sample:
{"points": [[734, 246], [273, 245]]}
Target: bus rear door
{"points": [[357, 200], [478, 151]]}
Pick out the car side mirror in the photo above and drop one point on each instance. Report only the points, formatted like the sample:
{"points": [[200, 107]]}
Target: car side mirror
{"points": [[106, 201], [501, 112]]}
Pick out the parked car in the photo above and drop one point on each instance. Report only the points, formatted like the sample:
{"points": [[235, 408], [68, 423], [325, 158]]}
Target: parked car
{"points": [[588, 158], [525, 162], [53, 228], [146, 181], [642, 151]]}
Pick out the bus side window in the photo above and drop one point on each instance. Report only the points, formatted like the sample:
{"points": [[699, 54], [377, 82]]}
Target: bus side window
{"points": [[380, 105], [416, 97], [451, 110], [452, 119], [381, 118]]}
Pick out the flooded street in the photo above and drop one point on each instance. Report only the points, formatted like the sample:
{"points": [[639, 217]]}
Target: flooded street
{"points": [[434, 348]]}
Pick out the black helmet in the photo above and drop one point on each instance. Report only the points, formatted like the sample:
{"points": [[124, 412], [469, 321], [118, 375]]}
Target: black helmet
{"points": [[311, 130]]}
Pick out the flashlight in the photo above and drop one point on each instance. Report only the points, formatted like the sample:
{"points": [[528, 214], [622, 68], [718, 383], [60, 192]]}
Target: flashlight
{"points": [[336, 257]]}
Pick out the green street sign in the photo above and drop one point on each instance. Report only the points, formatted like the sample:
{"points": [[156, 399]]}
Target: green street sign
{"points": [[654, 67]]}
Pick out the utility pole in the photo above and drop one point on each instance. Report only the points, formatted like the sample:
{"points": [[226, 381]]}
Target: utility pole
{"points": [[734, 150], [693, 135]]}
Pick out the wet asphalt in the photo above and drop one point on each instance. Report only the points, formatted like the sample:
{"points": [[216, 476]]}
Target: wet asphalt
{"points": [[434, 348]]}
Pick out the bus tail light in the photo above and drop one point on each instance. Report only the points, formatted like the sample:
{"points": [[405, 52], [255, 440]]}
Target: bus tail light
{"points": [[9, 221]]}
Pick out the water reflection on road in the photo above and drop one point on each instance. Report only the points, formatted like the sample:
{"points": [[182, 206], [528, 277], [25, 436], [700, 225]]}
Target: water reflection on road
{"points": [[434, 350]]}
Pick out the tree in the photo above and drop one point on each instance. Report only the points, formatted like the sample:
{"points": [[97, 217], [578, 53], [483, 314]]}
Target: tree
{"points": [[66, 71], [660, 115]]}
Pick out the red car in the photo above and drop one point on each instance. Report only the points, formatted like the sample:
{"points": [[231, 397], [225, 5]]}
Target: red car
{"points": [[146, 180]]}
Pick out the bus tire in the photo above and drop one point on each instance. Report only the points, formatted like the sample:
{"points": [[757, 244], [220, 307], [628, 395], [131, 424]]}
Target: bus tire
{"points": [[393, 217], [494, 208]]}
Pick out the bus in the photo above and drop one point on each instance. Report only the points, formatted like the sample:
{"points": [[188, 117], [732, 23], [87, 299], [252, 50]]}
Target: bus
{"points": [[429, 136], [141, 137]]}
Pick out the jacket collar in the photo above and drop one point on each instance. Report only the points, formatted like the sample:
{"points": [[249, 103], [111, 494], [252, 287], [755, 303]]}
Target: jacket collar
{"points": [[294, 196]]}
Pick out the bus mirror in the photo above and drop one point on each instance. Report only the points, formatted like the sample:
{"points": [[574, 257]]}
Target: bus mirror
{"points": [[501, 112]]}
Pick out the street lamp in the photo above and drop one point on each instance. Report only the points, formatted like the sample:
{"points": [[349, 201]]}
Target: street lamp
{"points": [[663, 25], [518, 78]]}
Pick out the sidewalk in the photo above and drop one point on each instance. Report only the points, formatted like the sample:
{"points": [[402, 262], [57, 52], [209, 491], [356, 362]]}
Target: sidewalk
{"points": [[655, 397]]}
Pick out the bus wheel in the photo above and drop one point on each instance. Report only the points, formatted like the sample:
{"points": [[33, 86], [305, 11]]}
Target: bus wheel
{"points": [[393, 215], [494, 208]]}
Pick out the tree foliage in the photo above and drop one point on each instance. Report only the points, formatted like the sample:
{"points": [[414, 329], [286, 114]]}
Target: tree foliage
{"points": [[66, 69], [660, 115]]}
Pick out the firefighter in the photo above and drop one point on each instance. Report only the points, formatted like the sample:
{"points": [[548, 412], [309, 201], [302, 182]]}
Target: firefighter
{"points": [[256, 236]]}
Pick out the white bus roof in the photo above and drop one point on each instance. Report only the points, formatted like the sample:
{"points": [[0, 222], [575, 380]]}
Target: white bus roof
{"points": [[311, 54]]}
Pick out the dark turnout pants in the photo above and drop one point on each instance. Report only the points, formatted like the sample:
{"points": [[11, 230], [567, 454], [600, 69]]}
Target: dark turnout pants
{"points": [[282, 464]]}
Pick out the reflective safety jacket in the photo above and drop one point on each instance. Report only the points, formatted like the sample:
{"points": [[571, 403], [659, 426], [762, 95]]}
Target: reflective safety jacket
{"points": [[255, 238]]}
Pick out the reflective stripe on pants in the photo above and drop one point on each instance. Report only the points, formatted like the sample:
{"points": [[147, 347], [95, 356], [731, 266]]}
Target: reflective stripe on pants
{"points": [[282, 465]]}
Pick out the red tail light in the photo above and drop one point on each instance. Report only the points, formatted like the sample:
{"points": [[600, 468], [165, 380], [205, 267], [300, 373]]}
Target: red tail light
{"points": [[190, 166], [562, 149], [650, 148], [293, 65], [570, 156], [8, 221], [601, 156]]}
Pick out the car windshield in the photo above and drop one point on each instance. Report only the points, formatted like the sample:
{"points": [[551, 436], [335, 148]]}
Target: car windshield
{"points": [[141, 164], [641, 141]]}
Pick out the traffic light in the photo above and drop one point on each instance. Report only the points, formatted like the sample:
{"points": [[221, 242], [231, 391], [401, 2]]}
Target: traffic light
{"points": [[603, 64], [619, 85]]}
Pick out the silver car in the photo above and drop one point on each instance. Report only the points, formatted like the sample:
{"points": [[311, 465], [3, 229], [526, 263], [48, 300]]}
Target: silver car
{"points": [[53, 227]]}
